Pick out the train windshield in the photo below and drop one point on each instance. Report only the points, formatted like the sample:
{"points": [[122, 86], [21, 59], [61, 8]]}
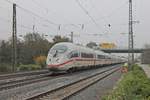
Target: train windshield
{"points": [[59, 49]]}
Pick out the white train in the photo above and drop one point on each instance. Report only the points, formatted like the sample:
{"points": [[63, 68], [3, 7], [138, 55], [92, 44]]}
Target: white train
{"points": [[66, 56]]}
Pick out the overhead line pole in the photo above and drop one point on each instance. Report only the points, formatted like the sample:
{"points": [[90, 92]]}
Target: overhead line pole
{"points": [[130, 40], [14, 39], [72, 37]]}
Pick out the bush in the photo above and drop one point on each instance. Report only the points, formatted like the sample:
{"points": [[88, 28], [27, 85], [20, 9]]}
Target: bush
{"points": [[29, 67], [134, 86], [5, 67], [40, 60]]}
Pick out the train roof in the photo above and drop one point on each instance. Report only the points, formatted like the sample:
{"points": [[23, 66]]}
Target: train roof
{"points": [[72, 46]]}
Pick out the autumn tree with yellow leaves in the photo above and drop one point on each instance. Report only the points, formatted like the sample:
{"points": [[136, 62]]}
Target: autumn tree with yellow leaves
{"points": [[40, 60]]}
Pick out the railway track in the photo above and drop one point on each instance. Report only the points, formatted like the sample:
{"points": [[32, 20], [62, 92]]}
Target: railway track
{"points": [[8, 81], [21, 74], [66, 91], [24, 81]]}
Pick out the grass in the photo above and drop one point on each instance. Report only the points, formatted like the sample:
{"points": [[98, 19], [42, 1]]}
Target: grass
{"points": [[5, 67], [29, 67], [134, 86]]}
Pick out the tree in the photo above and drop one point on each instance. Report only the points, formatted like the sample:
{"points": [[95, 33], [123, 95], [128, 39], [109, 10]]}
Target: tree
{"points": [[5, 52], [91, 44], [41, 60], [34, 45], [58, 39]]}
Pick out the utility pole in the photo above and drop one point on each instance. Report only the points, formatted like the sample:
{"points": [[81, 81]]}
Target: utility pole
{"points": [[72, 37], [33, 28], [130, 39], [59, 28], [14, 39]]}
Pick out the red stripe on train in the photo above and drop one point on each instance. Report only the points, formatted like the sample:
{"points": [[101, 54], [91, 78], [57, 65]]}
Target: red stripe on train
{"points": [[58, 65], [74, 59]]}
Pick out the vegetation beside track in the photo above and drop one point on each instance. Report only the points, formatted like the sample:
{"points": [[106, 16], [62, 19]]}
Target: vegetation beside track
{"points": [[29, 67], [32, 50], [133, 86], [5, 68]]}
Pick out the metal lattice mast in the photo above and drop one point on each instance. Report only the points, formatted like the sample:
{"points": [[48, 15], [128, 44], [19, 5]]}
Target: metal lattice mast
{"points": [[72, 37], [14, 39], [131, 44]]}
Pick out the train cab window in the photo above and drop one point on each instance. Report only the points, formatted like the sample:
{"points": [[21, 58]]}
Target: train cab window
{"points": [[100, 56], [73, 54], [108, 57], [59, 49]]}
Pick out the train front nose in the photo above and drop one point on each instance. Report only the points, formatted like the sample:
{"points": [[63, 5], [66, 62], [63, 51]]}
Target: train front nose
{"points": [[53, 63], [55, 56]]}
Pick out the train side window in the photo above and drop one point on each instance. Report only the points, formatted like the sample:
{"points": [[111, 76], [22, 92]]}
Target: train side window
{"points": [[83, 55], [100, 57], [87, 55], [91, 55], [74, 54], [108, 57]]}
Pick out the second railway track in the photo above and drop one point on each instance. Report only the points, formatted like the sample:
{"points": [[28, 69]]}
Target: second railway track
{"points": [[64, 92], [22, 74], [24, 81]]}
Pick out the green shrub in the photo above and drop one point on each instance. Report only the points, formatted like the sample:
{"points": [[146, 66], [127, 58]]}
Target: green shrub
{"points": [[5, 67], [40, 60], [134, 86], [29, 67]]}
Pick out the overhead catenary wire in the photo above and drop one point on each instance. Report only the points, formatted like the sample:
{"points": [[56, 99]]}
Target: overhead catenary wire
{"points": [[47, 10], [115, 10], [20, 25], [98, 11], [88, 14], [94, 7], [52, 23], [44, 19], [10, 2], [26, 10], [23, 26], [105, 18], [34, 14]]}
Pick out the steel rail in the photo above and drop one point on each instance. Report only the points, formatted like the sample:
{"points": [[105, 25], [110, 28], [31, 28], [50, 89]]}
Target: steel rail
{"points": [[20, 74], [29, 80], [70, 89], [23, 82]]}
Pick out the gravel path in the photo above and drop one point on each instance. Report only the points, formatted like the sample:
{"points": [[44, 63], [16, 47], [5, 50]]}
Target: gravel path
{"points": [[146, 68], [98, 90]]}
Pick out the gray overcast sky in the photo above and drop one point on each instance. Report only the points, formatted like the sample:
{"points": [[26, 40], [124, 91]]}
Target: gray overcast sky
{"points": [[68, 12]]}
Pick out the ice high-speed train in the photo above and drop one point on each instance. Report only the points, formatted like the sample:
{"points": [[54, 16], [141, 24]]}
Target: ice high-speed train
{"points": [[67, 56]]}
